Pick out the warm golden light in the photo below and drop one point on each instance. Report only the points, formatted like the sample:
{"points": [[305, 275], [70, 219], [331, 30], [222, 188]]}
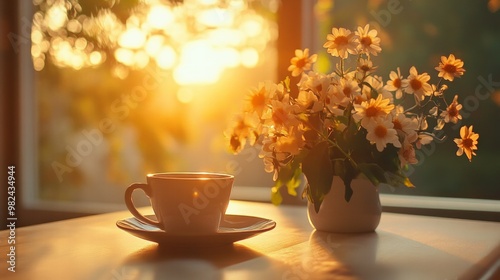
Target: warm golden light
{"points": [[197, 39], [252, 27], [185, 95], [230, 57], [141, 59], [166, 57], [124, 56], [56, 16], [96, 58], [154, 45], [132, 38], [249, 57], [160, 16], [215, 18], [198, 64]]}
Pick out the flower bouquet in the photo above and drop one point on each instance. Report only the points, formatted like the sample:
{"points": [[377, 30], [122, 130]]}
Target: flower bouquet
{"points": [[348, 123]]}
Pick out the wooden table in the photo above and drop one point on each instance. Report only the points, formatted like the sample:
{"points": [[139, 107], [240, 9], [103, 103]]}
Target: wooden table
{"points": [[403, 247]]}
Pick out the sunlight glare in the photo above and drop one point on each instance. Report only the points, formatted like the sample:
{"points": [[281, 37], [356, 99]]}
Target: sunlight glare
{"points": [[74, 26], [185, 95], [141, 59], [207, 2], [38, 63], [154, 45], [215, 17], [124, 56], [166, 57], [36, 51], [81, 43], [198, 64], [238, 5], [36, 36], [120, 71], [95, 58], [229, 57], [252, 27], [132, 38], [56, 16], [160, 16], [249, 57], [226, 37]]}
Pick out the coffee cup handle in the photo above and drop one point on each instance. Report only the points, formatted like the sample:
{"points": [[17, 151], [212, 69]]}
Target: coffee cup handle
{"points": [[130, 204]]}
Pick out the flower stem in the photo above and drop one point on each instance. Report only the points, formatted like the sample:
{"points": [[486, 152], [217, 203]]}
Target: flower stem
{"points": [[351, 160]]}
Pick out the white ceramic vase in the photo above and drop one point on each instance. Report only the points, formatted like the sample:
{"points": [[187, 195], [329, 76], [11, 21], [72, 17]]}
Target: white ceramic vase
{"points": [[361, 214]]}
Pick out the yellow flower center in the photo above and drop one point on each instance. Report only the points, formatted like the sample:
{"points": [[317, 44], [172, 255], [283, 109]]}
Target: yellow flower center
{"points": [[347, 91], [358, 99], [397, 125], [452, 111], [450, 68], [467, 143], [259, 99], [301, 63], [341, 41], [365, 68], [371, 111], [366, 41], [397, 83], [415, 84], [380, 131]]}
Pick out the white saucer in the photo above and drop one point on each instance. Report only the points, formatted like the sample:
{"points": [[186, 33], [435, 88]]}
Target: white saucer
{"points": [[233, 228]]}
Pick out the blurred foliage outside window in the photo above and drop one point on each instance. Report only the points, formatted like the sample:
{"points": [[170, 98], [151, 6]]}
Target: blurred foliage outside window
{"points": [[130, 87]]}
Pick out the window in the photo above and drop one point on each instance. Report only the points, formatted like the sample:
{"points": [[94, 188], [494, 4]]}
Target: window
{"points": [[417, 34], [135, 87], [117, 104]]}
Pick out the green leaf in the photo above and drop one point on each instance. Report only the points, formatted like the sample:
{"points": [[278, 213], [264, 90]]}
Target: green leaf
{"points": [[398, 179], [276, 197], [348, 190], [350, 173], [294, 182], [318, 170], [373, 172]]}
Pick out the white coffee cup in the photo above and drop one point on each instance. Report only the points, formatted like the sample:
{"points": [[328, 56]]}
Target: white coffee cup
{"points": [[184, 202]]}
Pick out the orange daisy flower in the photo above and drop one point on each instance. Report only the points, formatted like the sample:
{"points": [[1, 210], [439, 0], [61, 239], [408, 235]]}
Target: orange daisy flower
{"points": [[467, 142], [301, 62], [368, 41], [450, 67], [341, 42], [418, 84], [452, 113]]}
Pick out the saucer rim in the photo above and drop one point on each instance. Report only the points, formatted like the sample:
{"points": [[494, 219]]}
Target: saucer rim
{"points": [[217, 238]]}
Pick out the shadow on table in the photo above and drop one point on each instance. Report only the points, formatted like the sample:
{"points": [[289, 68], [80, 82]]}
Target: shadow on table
{"points": [[158, 262], [342, 256], [378, 255]]}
